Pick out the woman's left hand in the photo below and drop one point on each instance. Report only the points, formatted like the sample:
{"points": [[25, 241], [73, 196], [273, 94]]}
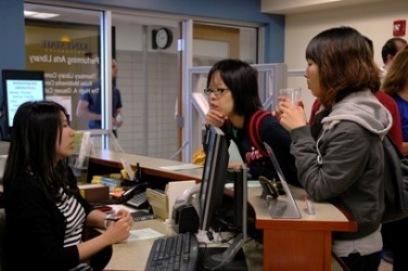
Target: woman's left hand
{"points": [[291, 116]]}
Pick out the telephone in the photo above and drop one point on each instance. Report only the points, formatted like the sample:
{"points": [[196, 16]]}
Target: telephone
{"points": [[138, 200], [135, 195]]}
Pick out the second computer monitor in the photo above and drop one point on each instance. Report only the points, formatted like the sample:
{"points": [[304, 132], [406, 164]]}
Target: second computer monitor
{"points": [[214, 174]]}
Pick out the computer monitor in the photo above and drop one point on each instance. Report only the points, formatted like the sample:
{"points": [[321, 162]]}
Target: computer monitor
{"points": [[19, 86], [214, 174]]}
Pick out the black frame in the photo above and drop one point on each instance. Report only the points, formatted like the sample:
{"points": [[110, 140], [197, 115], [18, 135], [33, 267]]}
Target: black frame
{"points": [[5, 127]]}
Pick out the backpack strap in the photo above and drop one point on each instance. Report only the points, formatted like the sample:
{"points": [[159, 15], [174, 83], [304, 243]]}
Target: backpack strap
{"points": [[254, 130]]}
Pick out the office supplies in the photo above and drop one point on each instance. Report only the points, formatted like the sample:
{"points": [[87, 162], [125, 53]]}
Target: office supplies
{"points": [[126, 166], [141, 215], [186, 219], [158, 200], [281, 207], [143, 234], [109, 218], [179, 252], [174, 190]]}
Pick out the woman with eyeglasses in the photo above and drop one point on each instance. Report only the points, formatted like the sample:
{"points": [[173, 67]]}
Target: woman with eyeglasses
{"points": [[45, 212], [232, 89]]}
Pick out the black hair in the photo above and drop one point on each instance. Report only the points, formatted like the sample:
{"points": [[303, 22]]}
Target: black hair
{"points": [[36, 128], [390, 48], [242, 80], [345, 63]]}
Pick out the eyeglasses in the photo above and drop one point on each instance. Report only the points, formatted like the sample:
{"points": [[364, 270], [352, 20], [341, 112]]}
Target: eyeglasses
{"points": [[217, 92]]}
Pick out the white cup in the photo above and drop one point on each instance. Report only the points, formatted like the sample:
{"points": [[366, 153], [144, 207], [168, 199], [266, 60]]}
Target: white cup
{"points": [[294, 95]]}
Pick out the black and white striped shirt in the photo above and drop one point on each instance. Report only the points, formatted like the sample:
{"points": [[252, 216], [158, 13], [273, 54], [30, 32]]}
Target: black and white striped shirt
{"points": [[75, 218]]}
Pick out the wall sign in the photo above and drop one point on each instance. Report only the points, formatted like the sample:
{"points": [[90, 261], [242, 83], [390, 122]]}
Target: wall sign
{"points": [[399, 28]]}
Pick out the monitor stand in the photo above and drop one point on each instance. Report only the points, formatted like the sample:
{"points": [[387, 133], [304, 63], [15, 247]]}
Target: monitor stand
{"points": [[221, 258]]}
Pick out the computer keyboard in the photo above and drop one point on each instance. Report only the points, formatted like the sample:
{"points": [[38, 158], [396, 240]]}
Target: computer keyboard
{"points": [[179, 252]]}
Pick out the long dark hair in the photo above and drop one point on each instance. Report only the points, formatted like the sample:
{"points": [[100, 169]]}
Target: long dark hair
{"points": [[36, 128], [345, 62], [242, 80]]}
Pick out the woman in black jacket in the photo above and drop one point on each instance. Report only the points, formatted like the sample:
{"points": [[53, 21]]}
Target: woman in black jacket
{"points": [[232, 90], [45, 213]]}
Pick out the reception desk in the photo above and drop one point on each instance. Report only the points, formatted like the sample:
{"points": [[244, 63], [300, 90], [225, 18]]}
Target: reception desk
{"points": [[288, 244]]}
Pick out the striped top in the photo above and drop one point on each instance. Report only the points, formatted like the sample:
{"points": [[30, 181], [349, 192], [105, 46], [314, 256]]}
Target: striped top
{"points": [[75, 218]]}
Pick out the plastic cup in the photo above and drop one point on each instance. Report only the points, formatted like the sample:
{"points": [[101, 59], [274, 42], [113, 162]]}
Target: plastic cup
{"points": [[293, 95]]}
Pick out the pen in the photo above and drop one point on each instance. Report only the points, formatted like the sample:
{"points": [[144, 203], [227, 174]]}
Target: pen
{"points": [[112, 218]]}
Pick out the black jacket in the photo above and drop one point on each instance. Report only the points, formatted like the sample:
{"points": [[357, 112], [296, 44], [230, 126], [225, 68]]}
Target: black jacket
{"points": [[35, 227], [277, 137]]}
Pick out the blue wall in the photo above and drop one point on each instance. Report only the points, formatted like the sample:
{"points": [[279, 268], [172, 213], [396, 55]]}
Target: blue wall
{"points": [[241, 10], [12, 34], [12, 51]]}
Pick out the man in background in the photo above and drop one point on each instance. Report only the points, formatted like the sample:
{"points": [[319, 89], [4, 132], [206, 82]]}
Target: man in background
{"points": [[389, 50], [89, 105]]}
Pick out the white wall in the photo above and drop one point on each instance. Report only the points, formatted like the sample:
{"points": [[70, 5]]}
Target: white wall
{"points": [[374, 20]]}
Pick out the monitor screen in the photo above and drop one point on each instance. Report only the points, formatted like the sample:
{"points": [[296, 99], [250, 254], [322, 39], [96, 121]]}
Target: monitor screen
{"points": [[214, 174], [19, 86]]}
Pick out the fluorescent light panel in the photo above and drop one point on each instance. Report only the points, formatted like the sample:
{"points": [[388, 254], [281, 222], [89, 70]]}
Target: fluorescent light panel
{"points": [[39, 15]]}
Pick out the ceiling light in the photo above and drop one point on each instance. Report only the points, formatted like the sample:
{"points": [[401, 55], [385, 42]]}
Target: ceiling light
{"points": [[28, 13], [44, 15]]}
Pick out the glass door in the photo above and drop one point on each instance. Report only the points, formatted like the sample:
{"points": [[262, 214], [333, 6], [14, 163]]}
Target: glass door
{"points": [[149, 82]]}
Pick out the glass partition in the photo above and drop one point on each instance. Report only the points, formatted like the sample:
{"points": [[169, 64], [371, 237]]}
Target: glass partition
{"points": [[149, 82], [65, 44]]}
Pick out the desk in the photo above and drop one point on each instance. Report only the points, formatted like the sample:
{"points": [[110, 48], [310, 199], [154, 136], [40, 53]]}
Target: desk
{"points": [[150, 166], [298, 244], [134, 255], [289, 244]]}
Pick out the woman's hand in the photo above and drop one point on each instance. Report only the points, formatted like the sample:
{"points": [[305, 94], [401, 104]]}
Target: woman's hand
{"points": [[119, 230], [291, 116], [215, 118]]}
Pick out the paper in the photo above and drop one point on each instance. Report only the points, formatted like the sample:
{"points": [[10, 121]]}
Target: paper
{"points": [[117, 207], [143, 234], [250, 184], [128, 168], [201, 103], [181, 167]]}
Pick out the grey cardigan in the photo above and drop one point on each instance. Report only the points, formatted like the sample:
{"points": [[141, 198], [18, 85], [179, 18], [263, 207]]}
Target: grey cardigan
{"points": [[346, 163]]}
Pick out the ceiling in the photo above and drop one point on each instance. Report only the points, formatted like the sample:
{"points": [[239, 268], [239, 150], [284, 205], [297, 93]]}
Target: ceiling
{"points": [[297, 6]]}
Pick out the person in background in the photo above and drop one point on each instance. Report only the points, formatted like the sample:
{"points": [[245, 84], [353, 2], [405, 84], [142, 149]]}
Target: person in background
{"points": [[396, 84], [340, 158], [89, 105], [45, 213], [232, 89], [389, 50]]}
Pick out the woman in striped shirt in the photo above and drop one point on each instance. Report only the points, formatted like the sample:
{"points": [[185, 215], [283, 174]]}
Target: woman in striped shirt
{"points": [[45, 213]]}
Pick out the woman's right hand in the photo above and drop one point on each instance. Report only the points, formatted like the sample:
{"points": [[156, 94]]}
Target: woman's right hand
{"points": [[118, 231], [215, 118]]}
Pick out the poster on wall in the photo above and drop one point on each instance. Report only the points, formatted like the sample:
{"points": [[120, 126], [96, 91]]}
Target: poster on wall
{"points": [[69, 56]]}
